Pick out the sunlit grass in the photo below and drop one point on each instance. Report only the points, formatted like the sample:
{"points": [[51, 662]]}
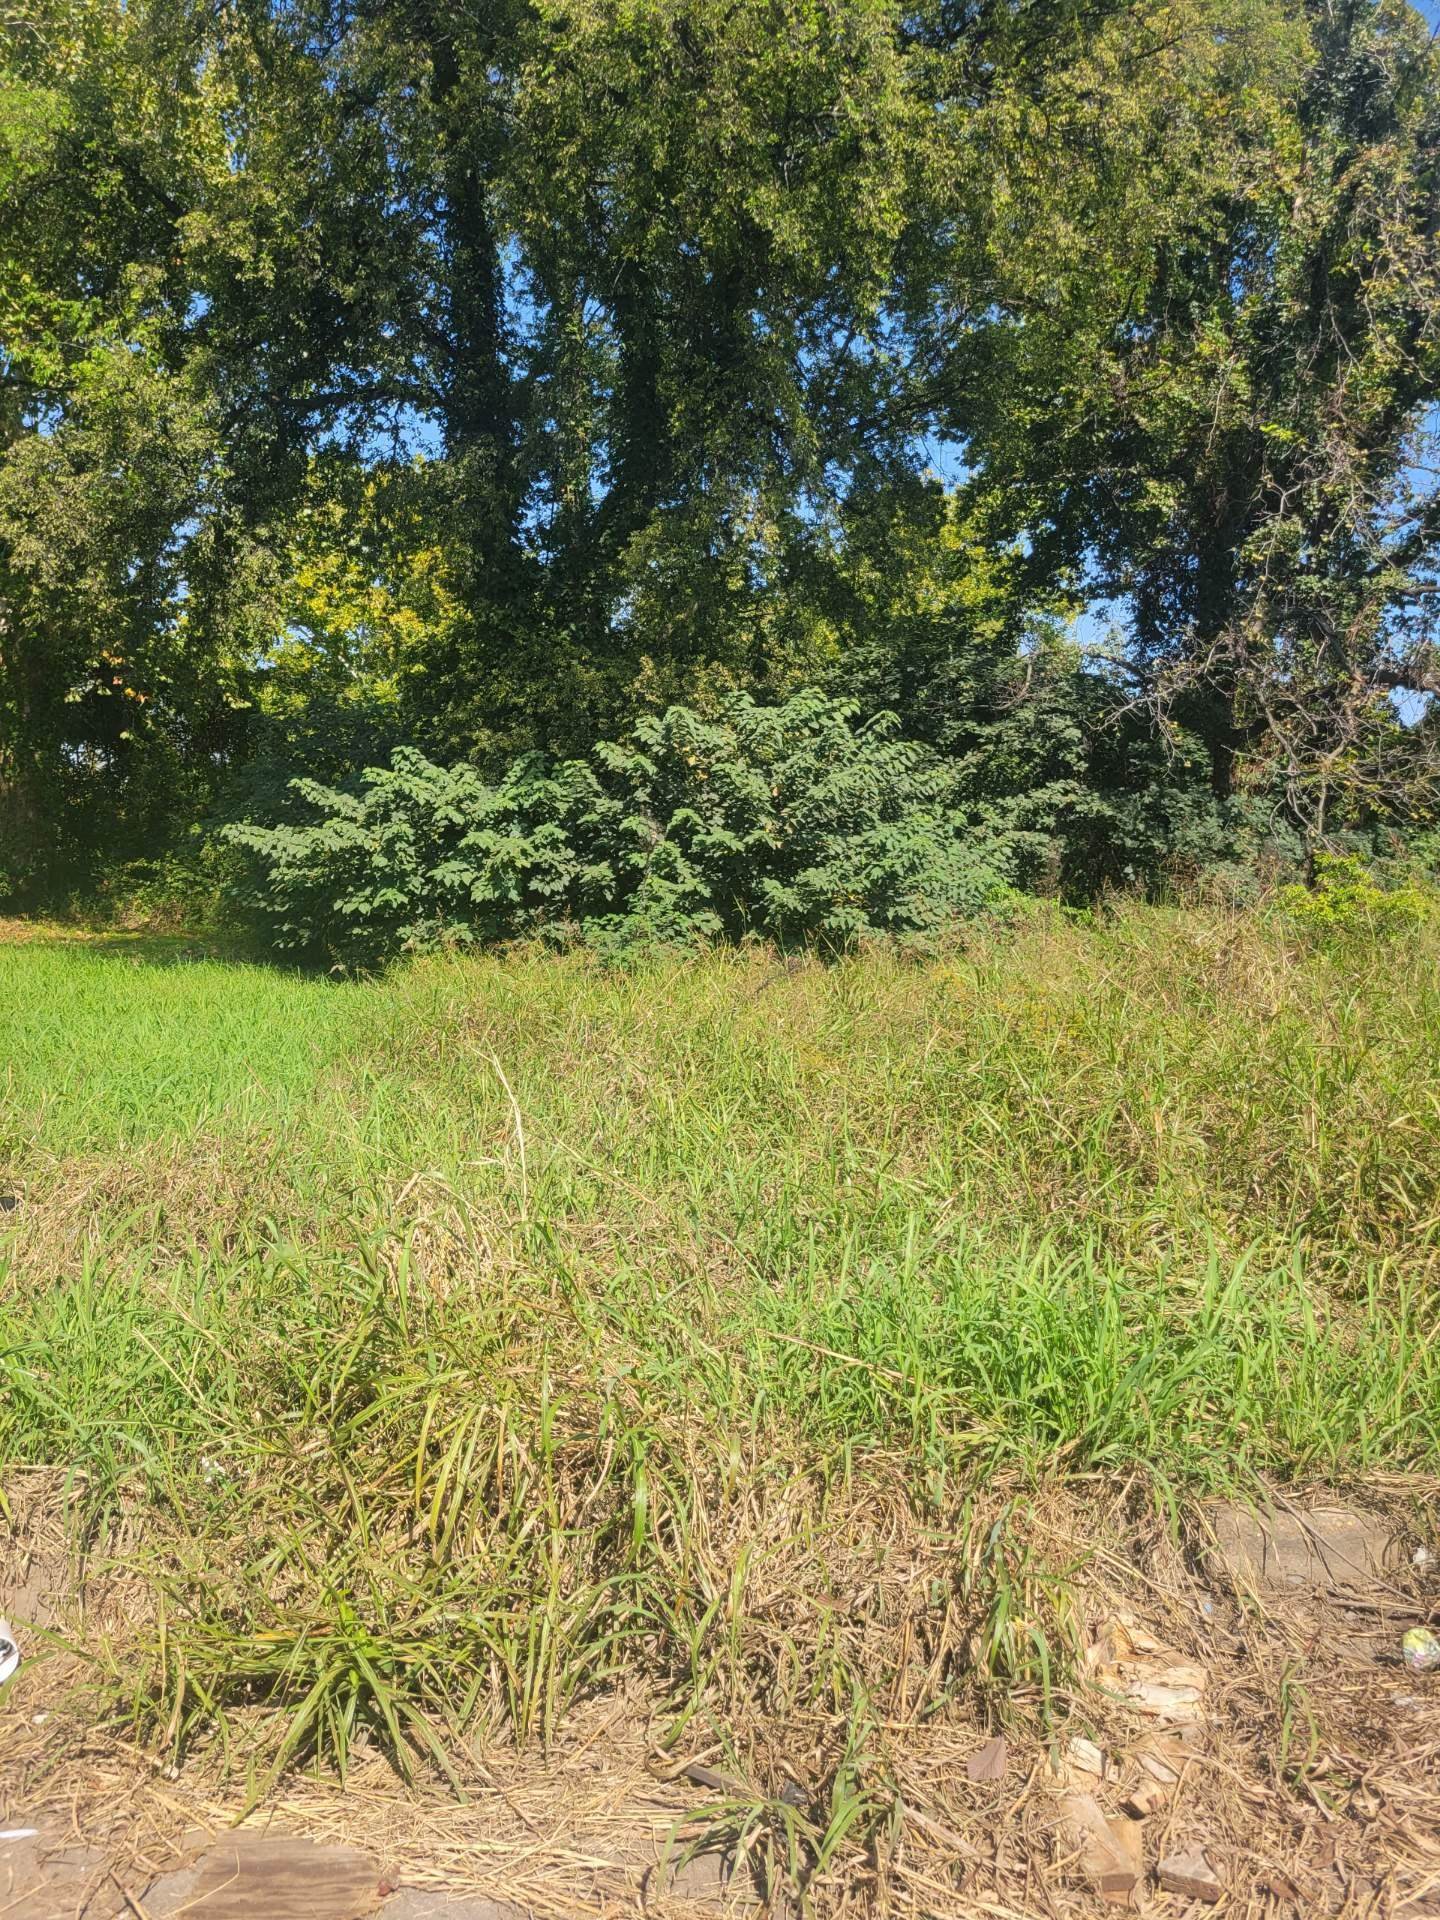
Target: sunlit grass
{"points": [[469, 1338]]}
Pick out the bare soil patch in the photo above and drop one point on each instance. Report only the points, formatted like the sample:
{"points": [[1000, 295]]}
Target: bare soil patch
{"points": [[1225, 1742]]}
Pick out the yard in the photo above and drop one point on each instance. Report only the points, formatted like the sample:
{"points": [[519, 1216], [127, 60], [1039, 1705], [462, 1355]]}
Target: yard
{"points": [[782, 1370]]}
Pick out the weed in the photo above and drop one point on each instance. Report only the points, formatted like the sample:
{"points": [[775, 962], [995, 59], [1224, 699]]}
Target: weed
{"points": [[459, 1343]]}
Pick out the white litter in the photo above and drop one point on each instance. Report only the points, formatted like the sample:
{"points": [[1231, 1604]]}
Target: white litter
{"points": [[9, 1651]]}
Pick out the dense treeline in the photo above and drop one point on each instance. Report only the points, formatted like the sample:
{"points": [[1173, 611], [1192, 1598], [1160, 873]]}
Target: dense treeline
{"points": [[483, 379]]}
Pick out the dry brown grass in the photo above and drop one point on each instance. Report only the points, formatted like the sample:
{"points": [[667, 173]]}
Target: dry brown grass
{"points": [[1312, 1786]]}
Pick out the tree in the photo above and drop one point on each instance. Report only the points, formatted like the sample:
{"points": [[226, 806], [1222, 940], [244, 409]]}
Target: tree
{"points": [[116, 664], [1212, 339], [605, 346]]}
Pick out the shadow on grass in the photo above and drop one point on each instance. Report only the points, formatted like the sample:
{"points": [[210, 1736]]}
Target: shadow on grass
{"points": [[148, 946]]}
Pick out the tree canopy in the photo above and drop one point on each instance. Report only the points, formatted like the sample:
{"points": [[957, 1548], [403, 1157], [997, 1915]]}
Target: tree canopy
{"points": [[483, 379]]}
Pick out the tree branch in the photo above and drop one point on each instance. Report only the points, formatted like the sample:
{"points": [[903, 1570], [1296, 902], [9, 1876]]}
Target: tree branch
{"points": [[1402, 679]]}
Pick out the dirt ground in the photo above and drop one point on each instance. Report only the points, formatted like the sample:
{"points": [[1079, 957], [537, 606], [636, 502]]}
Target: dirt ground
{"points": [[1240, 1737]]}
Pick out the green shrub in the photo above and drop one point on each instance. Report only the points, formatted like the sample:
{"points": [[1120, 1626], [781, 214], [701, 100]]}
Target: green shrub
{"points": [[788, 823], [1346, 898]]}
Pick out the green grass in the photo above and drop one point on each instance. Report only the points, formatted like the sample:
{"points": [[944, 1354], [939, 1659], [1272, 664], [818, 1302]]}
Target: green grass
{"points": [[458, 1342]]}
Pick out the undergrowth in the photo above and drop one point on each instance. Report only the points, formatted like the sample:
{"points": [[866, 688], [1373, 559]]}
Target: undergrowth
{"points": [[446, 1347], [789, 823]]}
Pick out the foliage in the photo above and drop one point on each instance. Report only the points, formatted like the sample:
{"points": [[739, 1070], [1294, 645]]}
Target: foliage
{"points": [[489, 379], [786, 823], [1346, 899], [1213, 398]]}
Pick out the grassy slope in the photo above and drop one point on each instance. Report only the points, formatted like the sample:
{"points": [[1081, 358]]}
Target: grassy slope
{"points": [[465, 1337]]}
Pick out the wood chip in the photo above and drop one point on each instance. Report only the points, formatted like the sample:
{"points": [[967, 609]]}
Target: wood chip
{"points": [[1162, 1757], [1146, 1800], [1080, 1764], [1174, 1694], [1133, 1664]]}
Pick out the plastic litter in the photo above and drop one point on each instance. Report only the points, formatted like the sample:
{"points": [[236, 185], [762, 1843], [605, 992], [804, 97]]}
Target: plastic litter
{"points": [[1420, 1650]]}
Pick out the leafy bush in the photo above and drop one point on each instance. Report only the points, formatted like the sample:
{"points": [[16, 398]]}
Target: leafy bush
{"points": [[1346, 898], [789, 823]]}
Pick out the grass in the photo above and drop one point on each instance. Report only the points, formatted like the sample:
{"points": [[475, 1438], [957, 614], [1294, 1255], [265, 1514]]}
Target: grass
{"points": [[458, 1343]]}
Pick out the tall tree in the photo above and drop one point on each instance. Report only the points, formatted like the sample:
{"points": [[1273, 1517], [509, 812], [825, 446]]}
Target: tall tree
{"points": [[1205, 370], [115, 668], [620, 334]]}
